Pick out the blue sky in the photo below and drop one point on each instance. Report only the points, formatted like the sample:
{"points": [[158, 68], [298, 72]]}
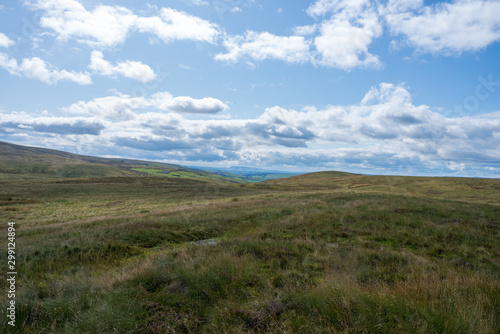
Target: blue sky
{"points": [[382, 87]]}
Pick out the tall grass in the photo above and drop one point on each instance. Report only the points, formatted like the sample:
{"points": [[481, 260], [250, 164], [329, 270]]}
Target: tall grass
{"points": [[132, 256]]}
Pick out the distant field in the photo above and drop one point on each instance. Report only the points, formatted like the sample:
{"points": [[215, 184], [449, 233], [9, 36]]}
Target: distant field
{"points": [[317, 253]]}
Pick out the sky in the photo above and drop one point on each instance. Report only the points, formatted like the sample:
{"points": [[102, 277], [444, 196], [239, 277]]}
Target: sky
{"points": [[405, 87]]}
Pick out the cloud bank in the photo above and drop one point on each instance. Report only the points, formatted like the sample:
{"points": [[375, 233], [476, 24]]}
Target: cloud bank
{"points": [[384, 132]]}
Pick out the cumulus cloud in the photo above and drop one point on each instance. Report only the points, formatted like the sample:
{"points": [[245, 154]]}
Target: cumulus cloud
{"points": [[344, 41], [447, 28], [36, 68], [186, 104], [124, 107], [117, 107], [5, 41], [171, 24], [346, 29], [261, 46], [129, 69], [106, 26], [341, 40], [384, 132], [442, 28]]}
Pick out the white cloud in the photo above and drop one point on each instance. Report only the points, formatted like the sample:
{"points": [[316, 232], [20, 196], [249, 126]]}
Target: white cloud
{"points": [[36, 68], [199, 2], [442, 28], [385, 122], [262, 46], [345, 30], [117, 107], [104, 26], [189, 105], [323, 7], [110, 25], [345, 37], [344, 44], [8, 63], [446, 28], [124, 107], [174, 25], [129, 69], [400, 6], [236, 10], [305, 30], [5, 41]]}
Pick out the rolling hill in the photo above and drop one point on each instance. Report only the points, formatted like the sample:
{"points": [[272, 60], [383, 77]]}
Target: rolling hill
{"points": [[33, 162], [476, 190]]}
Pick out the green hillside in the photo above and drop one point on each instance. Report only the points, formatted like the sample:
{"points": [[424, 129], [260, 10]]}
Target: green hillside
{"points": [[25, 162]]}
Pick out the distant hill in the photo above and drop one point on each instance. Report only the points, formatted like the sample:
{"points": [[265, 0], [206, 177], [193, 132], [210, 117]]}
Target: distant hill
{"points": [[453, 188], [23, 162], [249, 174], [34, 162]]}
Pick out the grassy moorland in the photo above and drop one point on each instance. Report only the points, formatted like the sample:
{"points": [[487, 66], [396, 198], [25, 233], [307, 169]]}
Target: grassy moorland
{"points": [[30, 163], [319, 253]]}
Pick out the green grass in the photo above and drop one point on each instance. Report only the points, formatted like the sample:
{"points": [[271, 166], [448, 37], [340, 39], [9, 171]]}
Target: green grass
{"points": [[318, 253], [191, 174], [456, 189], [28, 163]]}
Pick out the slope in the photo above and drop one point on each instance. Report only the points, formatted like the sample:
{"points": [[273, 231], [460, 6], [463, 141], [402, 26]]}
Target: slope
{"points": [[23, 162]]}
